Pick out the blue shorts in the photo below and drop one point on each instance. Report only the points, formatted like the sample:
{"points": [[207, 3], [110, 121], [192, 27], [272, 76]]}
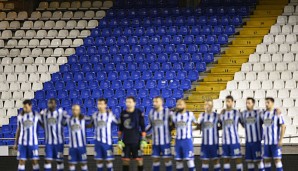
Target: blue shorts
{"points": [[77, 155], [209, 152], [184, 149], [103, 151], [54, 152], [272, 151], [231, 151], [253, 151], [27, 152], [163, 151]]}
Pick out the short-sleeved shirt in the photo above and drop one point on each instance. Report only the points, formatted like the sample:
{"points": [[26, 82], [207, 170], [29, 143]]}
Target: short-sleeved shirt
{"points": [[230, 121], [209, 128], [183, 123]]}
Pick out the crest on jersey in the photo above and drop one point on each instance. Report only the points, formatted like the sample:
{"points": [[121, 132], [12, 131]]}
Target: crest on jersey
{"points": [[207, 125], [158, 122], [126, 115], [75, 127], [28, 124], [101, 124], [52, 121], [181, 124], [268, 122], [229, 122], [250, 120], [127, 124]]}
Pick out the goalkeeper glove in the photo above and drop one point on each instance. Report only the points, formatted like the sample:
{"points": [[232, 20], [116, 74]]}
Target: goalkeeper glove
{"points": [[144, 144], [121, 144]]}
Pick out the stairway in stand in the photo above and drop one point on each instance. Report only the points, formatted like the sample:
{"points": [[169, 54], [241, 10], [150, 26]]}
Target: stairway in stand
{"points": [[237, 52]]}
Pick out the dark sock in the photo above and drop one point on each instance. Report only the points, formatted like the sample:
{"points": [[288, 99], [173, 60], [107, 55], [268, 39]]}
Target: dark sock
{"points": [[125, 168], [140, 168]]}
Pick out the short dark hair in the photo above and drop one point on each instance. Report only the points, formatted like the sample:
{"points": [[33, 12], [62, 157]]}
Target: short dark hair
{"points": [[230, 97], [103, 100], [52, 100], [270, 99], [159, 97], [27, 102], [132, 98], [252, 99]]}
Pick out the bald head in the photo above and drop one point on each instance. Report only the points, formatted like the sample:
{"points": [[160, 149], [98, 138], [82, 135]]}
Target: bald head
{"points": [[208, 106], [76, 110], [180, 105]]}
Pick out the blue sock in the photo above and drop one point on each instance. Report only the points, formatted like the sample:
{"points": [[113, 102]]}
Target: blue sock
{"points": [[48, 167], [261, 166], [179, 166], [279, 166], [156, 166], [251, 167], [21, 168], [239, 167], [217, 167], [227, 167], [267, 166], [60, 167], [110, 166], [205, 167], [169, 166], [84, 168], [36, 167], [99, 167]]}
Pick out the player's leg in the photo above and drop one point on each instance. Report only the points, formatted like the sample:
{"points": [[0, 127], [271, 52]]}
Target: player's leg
{"points": [[257, 155], [226, 157], [72, 167], [99, 156], [59, 157], [178, 155], [84, 167], [34, 156], [73, 159], [109, 156], [22, 156], [205, 157], [249, 157], [267, 157], [260, 165], [49, 157], [21, 166], [216, 165], [277, 154], [83, 158], [239, 164], [156, 151], [167, 155], [137, 155], [126, 157], [188, 154]]}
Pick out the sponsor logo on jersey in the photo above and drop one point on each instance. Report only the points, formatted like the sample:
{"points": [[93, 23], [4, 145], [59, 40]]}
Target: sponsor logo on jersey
{"points": [[158, 122], [250, 120], [75, 127], [207, 125], [28, 124], [101, 124], [52, 121]]}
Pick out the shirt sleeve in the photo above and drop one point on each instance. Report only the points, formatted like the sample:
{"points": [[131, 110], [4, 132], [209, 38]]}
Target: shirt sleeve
{"points": [[114, 119], [121, 122], [281, 120], [142, 121], [149, 126]]}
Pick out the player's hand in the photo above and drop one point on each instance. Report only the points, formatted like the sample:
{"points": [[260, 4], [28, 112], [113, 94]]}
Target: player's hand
{"points": [[15, 147], [143, 144], [280, 143], [121, 145]]}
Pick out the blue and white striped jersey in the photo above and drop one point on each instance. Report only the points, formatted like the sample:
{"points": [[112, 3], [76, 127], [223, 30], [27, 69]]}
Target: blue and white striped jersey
{"points": [[271, 127], [252, 123], [230, 121], [53, 124], [27, 124], [77, 132], [209, 128], [183, 123], [159, 123], [103, 126]]}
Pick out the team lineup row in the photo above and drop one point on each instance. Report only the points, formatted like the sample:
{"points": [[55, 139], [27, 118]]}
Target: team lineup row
{"points": [[266, 125]]}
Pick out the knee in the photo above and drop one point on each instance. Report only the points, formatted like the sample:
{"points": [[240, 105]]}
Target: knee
{"points": [[35, 162], [226, 160], [140, 162], [156, 160], [48, 162], [216, 161], [238, 161], [126, 162], [101, 162], [21, 162], [205, 162]]}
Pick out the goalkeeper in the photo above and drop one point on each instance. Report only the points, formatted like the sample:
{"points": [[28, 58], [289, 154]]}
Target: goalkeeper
{"points": [[131, 134]]}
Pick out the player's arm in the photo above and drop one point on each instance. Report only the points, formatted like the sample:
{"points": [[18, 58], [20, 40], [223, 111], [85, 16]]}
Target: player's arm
{"points": [[142, 125], [17, 136], [199, 122], [219, 122], [149, 126], [282, 127], [89, 121], [120, 127]]}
